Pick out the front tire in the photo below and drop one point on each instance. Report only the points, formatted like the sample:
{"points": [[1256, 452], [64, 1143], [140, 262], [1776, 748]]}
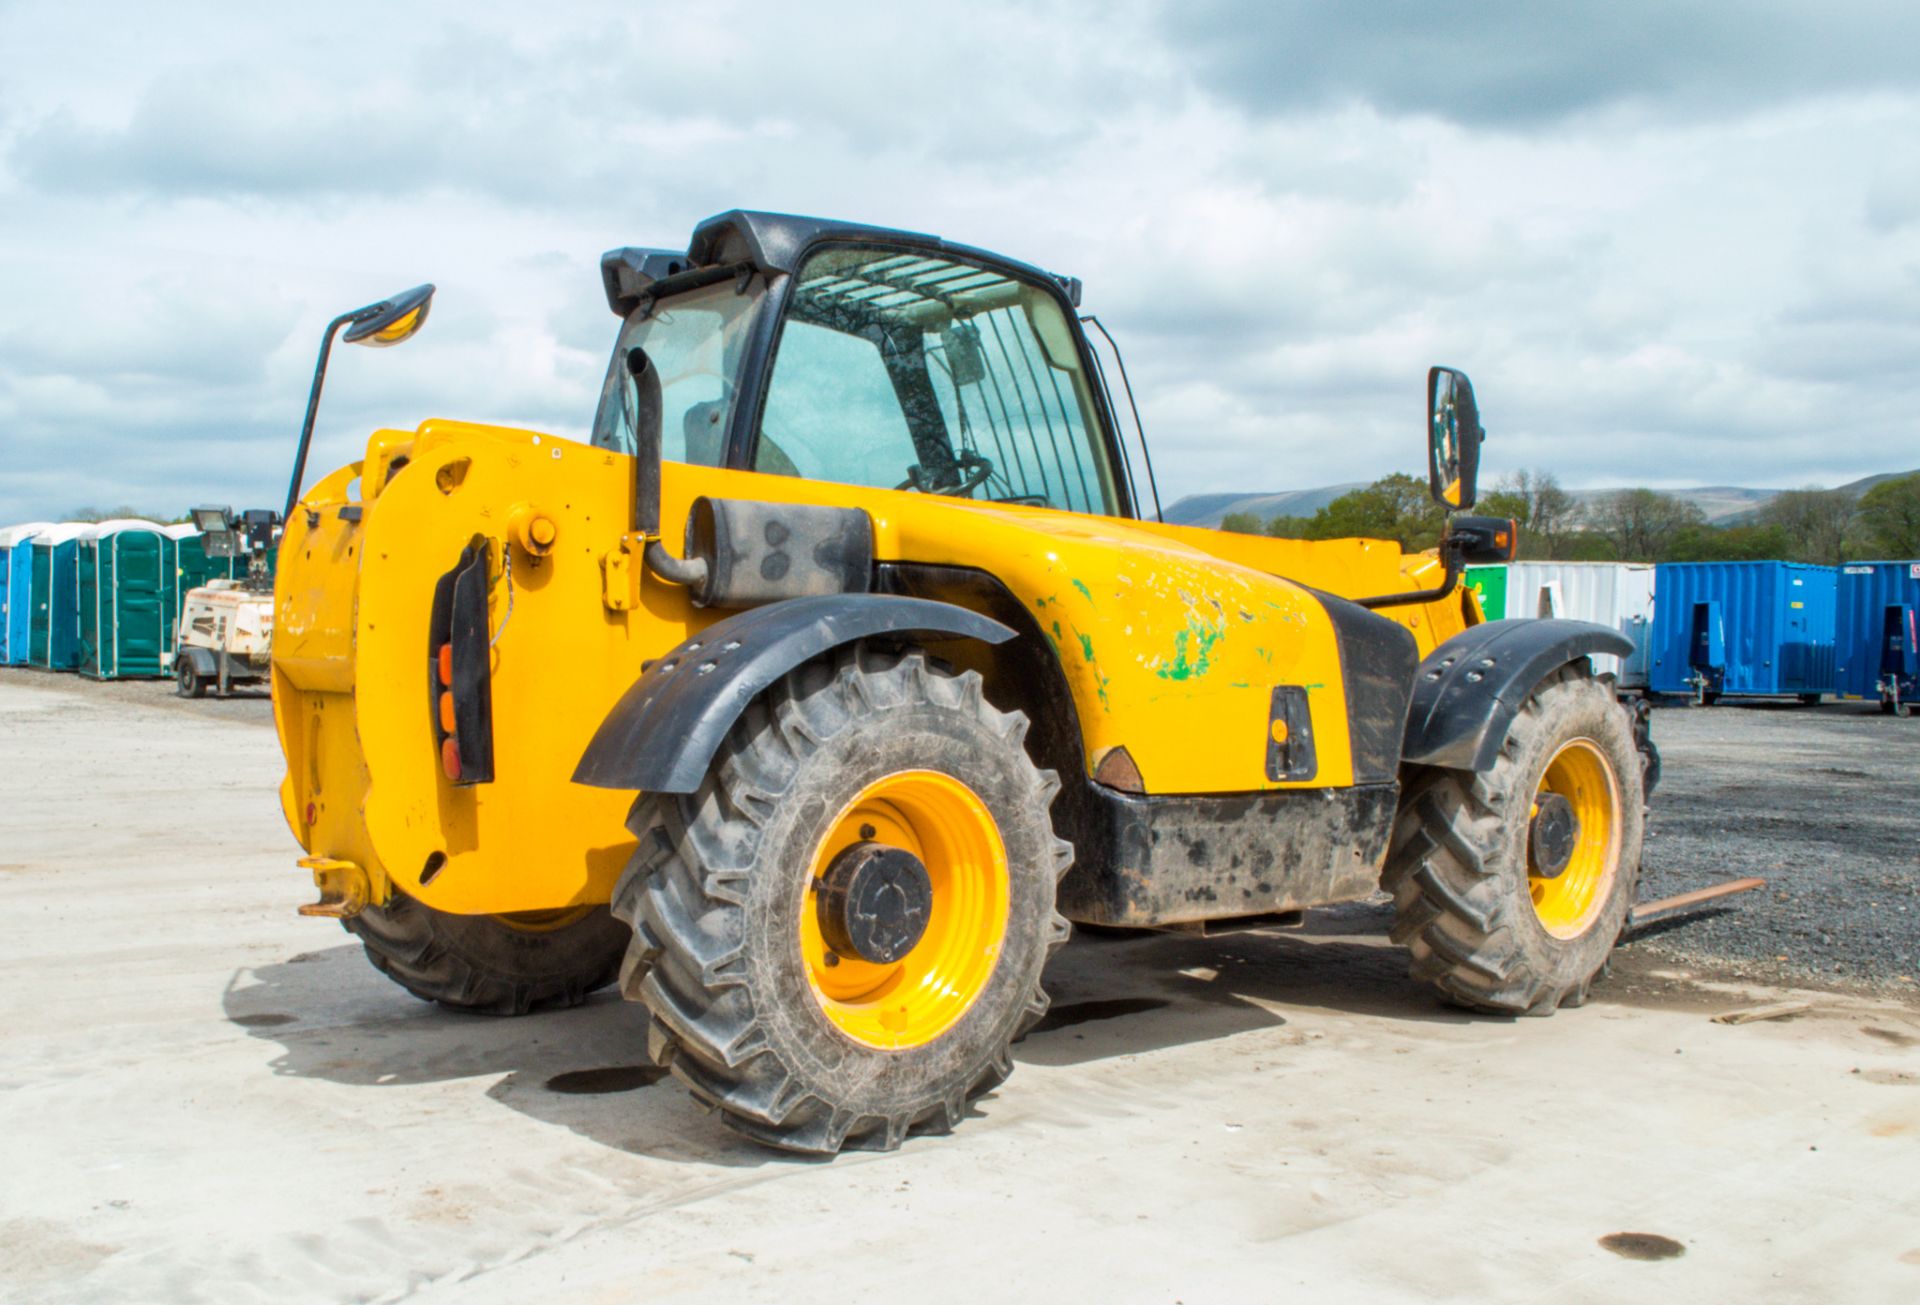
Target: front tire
{"points": [[490, 964], [761, 1005], [1497, 911], [188, 680]]}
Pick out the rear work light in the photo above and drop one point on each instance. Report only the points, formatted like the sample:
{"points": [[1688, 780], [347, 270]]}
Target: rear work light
{"points": [[460, 678]]}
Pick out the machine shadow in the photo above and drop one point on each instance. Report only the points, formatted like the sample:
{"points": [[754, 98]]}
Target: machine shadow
{"points": [[333, 1017], [1123, 996]]}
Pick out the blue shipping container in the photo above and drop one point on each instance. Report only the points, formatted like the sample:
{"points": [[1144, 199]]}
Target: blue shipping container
{"points": [[1743, 628], [1879, 608]]}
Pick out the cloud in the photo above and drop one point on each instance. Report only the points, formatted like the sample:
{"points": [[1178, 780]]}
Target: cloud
{"points": [[1671, 247], [602, 103], [1519, 64]]}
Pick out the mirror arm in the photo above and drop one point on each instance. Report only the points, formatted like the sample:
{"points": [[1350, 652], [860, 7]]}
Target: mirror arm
{"points": [[313, 407], [1451, 550]]}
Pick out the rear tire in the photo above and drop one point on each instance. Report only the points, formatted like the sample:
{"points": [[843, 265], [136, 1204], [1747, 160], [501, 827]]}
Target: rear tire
{"points": [[801, 1047], [1478, 922], [492, 965], [189, 681]]}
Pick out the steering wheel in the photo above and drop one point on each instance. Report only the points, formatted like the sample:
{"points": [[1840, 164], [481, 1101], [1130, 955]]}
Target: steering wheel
{"points": [[974, 470]]}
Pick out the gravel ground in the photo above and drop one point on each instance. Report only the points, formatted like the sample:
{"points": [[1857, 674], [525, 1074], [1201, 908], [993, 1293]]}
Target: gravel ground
{"points": [[1824, 804]]}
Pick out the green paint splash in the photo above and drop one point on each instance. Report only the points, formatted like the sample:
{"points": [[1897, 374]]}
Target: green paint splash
{"points": [[1192, 651], [1085, 592], [1086, 645]]}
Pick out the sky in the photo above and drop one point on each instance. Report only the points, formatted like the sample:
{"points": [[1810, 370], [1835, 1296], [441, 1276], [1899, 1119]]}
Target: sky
{"points": [[1672, 244]]}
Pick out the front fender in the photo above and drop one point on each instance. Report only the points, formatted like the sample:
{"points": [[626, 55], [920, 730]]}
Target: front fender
{"points": [[1468, 690], [662, 734]]}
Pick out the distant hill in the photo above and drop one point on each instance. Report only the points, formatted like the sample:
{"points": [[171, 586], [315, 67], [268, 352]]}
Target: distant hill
{"points": [[1723, 504]]}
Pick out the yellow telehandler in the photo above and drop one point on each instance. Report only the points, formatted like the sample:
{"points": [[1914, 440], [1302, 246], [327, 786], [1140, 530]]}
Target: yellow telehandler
{"points": [[846, 664]]}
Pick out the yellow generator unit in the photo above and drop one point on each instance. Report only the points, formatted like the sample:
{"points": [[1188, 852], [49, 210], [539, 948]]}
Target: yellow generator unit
{"points": [[846, 664]]}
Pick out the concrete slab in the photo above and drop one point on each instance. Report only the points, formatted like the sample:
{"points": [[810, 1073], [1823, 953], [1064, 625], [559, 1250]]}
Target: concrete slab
{"points": [[206, 1097]]}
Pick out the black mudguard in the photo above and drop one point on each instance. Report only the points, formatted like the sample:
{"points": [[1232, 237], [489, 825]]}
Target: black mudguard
{"points": [[1377, 659], [204, 663], [662, 734], [1468, 690]]}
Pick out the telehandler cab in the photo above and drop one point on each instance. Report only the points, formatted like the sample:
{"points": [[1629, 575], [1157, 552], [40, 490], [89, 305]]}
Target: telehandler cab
{"points": [[813, 697]]}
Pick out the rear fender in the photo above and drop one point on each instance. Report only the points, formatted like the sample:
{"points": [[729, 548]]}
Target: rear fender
{"points": [[204, 663], [663, 733], [1468, 690]]}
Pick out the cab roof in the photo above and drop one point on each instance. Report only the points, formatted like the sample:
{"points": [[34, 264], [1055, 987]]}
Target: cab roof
{"points": [[773, 244]]}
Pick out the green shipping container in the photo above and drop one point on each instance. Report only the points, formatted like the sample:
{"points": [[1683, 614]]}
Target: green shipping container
{"points": [[125, 577], [1489, 584]]}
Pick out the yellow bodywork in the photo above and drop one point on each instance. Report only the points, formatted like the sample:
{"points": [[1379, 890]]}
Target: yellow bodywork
{"points": [[1171, 640]]}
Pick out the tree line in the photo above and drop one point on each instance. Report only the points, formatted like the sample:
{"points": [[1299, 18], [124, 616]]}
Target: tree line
{"points": [[1826, 526]]}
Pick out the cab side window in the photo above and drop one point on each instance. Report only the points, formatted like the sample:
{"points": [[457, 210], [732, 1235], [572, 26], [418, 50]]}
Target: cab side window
{"points": [[832, 412]]}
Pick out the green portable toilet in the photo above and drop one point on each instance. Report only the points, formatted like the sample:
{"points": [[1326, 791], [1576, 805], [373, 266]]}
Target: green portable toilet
{"points": [[191, 568], [53, 621], [125, 574], [1489, 584]]}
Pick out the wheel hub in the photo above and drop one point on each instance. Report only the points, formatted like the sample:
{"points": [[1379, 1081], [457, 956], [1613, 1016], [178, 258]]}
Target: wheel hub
{"points": [[1552, 836], [874, 902]]}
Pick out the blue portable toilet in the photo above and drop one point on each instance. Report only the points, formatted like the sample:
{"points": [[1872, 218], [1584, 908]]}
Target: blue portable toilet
{"points": [[1753, 629], [53, 619], [1877, 633], [16, 586]]}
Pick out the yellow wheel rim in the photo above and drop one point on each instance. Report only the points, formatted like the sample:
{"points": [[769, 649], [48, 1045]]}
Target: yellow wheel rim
{"points": [[923, 994], [1568, 902]]}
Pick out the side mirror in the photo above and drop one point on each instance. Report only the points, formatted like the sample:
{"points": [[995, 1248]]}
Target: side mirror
{"points": [[379, 324], [391, 320], [1453, 438]]}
